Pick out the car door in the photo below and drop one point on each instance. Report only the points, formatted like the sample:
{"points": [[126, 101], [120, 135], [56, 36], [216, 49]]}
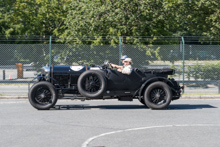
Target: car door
{"points": [[118, 81]]}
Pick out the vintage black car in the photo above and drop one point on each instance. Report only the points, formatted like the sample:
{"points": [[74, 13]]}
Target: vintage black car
{"points": [[151, 87]]}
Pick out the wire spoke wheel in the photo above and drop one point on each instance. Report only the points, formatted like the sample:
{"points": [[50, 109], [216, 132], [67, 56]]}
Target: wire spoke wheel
{"points": [[157, 95], [43, 96], [92, 84]]}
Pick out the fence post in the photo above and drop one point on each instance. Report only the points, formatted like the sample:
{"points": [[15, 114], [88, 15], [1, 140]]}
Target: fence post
{"points": [[50, 50], [119, 50], [19, 67], [3, 74], [183, 49]]}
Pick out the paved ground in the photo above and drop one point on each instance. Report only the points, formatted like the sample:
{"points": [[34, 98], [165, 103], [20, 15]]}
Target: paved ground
{"points": [[110, 123]]}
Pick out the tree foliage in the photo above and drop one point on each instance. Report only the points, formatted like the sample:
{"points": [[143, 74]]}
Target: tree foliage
{"points": [[74, 21], [67, 18], [28, 17], [118, 18], [39, 17], [197, 18]]}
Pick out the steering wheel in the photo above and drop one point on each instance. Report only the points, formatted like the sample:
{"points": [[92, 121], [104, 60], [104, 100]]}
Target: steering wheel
{"points": [[110, 66]]}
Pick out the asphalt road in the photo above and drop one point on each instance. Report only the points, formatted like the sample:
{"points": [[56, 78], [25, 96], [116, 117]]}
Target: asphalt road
{"points": [[18, 89], [110, 123]]}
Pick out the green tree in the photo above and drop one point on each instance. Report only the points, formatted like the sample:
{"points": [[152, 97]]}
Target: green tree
{"points": [[115, 18], [40, 17], [118, 18], [197, 18], [6, 53], [5, 11]]}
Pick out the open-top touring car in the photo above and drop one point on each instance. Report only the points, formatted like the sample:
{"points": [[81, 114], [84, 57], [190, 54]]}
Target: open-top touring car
{"points": [[151, 87]]}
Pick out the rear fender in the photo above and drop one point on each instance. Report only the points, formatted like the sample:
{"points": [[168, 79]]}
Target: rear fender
{"points": [[154, 79]]}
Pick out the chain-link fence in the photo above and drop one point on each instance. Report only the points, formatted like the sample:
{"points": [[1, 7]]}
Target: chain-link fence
{"points": [[195, 59]]}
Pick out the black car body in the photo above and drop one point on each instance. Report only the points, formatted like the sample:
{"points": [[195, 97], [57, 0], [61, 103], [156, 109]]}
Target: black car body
{"points": [[152, 87]]}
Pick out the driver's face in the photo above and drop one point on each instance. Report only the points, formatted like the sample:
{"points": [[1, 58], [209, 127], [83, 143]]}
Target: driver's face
{"points": [[126, 63]]}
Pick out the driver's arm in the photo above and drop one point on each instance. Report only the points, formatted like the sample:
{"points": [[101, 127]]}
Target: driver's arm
{"points": [[117, 66]]}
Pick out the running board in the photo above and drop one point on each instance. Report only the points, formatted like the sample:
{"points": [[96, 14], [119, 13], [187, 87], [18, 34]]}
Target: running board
{"points": [[125, 98]]}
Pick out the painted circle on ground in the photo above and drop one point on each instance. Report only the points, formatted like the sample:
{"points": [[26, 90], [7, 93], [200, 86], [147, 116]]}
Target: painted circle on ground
{"points": [[167, 135]]}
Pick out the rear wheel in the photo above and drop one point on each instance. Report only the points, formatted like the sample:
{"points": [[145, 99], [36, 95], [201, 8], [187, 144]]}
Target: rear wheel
{"points": [[157, 95], [42, 95]]}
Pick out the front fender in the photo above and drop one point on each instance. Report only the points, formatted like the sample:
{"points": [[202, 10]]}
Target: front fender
{"points": [[39, 78]]}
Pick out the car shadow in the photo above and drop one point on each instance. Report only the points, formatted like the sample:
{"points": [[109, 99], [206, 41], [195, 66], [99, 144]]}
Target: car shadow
{"points": [[189, 106], [121, 107], [85, 107]]}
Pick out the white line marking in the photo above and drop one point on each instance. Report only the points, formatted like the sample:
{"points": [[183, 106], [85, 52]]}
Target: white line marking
{"points": [[85, 144]]}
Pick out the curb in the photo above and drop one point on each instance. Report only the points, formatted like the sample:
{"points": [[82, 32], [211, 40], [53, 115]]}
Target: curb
{"points": [[200, 97]]}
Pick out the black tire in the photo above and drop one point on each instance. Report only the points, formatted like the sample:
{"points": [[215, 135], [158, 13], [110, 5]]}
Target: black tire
{"points": [[157, 95], [92, 84], [42, 95]]}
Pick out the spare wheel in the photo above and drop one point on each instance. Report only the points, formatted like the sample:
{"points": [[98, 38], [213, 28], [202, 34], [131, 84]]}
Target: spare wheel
{"points": [[92, 84]]}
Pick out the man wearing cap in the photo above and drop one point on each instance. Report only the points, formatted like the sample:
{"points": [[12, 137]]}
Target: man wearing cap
{"points": [[122, 61], [123, 58], [127, 68]]}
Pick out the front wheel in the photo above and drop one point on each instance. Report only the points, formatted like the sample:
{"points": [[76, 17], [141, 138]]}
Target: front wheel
{"points": [[42, 95], [157, 95]]}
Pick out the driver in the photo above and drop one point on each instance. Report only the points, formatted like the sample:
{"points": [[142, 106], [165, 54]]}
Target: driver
{"points": [[122, 61], [123, 58], [127, 68]]}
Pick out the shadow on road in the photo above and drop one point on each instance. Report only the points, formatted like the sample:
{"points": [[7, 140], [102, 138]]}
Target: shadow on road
{"points": [[83, 107], [121, 107], [189, 106]]}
